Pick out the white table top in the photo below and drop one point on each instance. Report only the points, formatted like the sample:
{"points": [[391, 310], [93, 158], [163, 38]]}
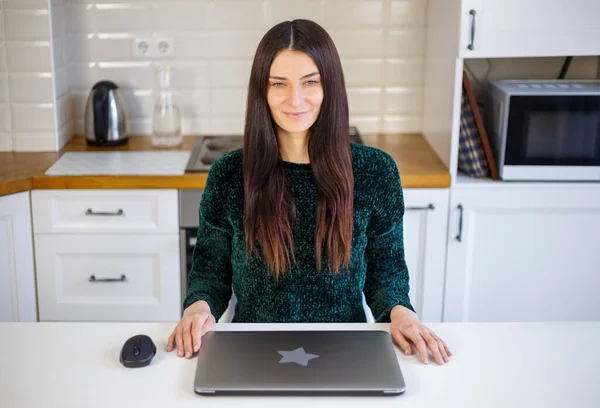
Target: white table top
{"points": [[494, 365]]}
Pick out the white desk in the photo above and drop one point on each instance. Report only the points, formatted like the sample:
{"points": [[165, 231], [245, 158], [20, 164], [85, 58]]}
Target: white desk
{"points": [[494, 365]]}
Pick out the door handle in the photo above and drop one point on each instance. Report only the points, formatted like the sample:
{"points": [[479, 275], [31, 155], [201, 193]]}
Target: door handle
{"points": [[118, 213], [471, 45], [428, 207], [93, 279], [460, 223]]}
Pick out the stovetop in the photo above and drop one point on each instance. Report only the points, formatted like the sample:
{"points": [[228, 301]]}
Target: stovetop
{"points": [[208, 149]]}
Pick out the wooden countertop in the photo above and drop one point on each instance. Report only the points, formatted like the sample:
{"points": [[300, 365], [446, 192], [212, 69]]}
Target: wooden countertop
{"points": [[419, 166]]}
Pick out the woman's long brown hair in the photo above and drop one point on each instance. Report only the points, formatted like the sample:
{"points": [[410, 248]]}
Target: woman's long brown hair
{"points": [[270, 212]]}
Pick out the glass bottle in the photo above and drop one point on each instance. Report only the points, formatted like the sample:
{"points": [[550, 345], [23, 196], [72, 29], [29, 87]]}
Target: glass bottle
{"points": [[166, 122]]}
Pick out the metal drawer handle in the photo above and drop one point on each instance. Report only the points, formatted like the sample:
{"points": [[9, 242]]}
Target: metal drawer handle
{"points": [[460, 223], [117, 213], [429, 207], [93, 278], [471, 46]]}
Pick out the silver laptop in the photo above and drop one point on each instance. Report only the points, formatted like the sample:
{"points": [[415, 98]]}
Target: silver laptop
{"points": [[298, 363]]}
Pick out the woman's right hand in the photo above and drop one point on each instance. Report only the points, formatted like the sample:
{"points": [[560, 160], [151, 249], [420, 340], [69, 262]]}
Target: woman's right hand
{"points": [[195, 323]]}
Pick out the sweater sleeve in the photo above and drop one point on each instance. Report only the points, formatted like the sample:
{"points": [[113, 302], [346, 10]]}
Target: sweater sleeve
{"points": [[387, 280], [211, 273]]}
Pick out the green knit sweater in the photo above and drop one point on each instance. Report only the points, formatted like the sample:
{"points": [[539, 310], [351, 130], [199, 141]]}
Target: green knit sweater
{"points": [[303, 295]]}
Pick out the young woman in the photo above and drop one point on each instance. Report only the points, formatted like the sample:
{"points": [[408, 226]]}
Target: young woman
{"points": [[300, 222]]}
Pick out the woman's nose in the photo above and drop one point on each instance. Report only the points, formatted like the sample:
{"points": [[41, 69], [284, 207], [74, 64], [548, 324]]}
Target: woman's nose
{"points": [[295, 97]]}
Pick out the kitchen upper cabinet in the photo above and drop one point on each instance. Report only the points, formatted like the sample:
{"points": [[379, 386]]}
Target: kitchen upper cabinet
{"points": [[530, 28], [523, 253], [425, 224], [17, 276]]}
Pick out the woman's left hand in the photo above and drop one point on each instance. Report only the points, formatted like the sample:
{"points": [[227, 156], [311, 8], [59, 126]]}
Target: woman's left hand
{"points": [[405, 325]]}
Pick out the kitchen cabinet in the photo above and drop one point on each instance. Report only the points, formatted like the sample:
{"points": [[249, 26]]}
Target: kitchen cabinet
{"points": [[532, 28], [107, 255], [425, 224], [108, 277], [17, 275], [523, 252], [503, 28]]}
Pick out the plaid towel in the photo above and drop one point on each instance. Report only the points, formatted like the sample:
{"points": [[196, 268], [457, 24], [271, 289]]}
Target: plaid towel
{"points": [[471, 157]]}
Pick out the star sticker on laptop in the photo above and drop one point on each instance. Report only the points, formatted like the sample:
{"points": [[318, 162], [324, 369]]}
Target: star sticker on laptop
{"points": [[298, 356]]}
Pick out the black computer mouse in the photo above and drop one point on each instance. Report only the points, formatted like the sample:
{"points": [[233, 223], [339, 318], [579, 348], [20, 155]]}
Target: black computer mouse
{"points": [[138, 351]]}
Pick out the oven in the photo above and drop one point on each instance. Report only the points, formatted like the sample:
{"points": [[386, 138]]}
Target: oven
{"points": [[189, 202]]}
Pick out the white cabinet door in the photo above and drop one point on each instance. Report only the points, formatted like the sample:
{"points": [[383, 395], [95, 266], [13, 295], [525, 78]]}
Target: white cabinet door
{"points": [[17, 276], [523, 254], [108, 278], [516, 28], [425, 225]]}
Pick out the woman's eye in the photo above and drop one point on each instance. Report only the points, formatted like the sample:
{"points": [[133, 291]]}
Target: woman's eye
{"points": [[311, 82], [277, 84]]}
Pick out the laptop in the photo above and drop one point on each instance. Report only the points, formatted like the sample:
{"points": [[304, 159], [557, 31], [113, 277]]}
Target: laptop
{"points": [[298, 363]]}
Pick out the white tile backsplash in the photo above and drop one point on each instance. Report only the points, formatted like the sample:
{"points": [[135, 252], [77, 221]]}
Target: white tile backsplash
{"points": [[34, 141], [225, 126], [5, 141], [403, 101], [81, 17], [401, 124], [353, 13], [359, 43], [2, 12], [228, 102], [26, 83], [30, 87], [190, 16], [123, 18], [405, 43], [32, 56], [237, 14], [365, 101], [23, 25], [232, 44], [408, 13], [283, 10], [4, 87], [25, 4], [381, 44], [193, 103], [32, 117], [126, 74], [4, 117], [403, 72], [230, 74], [3, 59], [360, 73]]}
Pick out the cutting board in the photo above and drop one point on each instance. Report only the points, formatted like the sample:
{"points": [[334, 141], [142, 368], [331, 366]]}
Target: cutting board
{"points": [[120, 163]]}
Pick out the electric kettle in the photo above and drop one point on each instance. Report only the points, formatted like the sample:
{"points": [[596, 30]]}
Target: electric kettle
{"points": [[105, 116]]}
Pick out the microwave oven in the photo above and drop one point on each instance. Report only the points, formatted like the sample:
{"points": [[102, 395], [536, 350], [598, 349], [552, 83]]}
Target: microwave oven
{"points": [[545, 130]]}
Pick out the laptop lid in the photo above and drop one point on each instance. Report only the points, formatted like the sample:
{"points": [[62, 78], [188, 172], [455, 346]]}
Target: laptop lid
{"points": [[298, 362]]}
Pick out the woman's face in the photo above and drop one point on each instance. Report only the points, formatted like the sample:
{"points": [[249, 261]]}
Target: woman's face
{"points": [[294, 92]]}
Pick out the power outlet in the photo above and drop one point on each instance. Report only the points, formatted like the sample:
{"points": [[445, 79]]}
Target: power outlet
{"points": [[142, 47], [164, 47]]}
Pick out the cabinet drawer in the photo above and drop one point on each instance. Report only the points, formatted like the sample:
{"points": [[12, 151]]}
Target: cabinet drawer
{"points": [[104, 211], [108, 278]]}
